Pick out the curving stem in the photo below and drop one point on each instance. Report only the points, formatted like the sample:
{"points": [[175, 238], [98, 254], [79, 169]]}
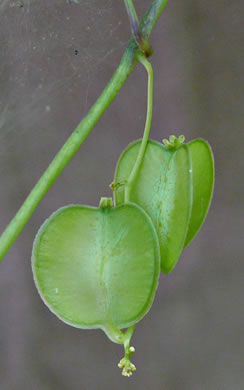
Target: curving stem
{"points": [[79, 135], [142, 149], [118, 337]]}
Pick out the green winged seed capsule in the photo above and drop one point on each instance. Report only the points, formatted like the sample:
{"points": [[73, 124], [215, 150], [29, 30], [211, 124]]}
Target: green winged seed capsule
{"points": [[174, 186], [202, 183], [163, 189], [98, 267]]}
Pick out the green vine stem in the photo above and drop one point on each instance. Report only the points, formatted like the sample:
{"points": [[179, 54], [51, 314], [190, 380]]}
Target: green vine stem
{"points": [[79, 135], [136, 30], [133, 18], [137, 165]]}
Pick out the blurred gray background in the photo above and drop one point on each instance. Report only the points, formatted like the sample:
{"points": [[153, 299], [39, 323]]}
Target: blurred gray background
{"points": [[192, 338]]}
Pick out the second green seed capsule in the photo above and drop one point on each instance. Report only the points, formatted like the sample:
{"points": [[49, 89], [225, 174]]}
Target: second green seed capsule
{"points": [[174, 186]]}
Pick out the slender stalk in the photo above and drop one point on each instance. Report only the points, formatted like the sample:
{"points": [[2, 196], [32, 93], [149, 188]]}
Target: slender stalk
{"points": [[133, 18], [151, 17], [123, 338], [136, 30], [142, 149], [76, 139]]}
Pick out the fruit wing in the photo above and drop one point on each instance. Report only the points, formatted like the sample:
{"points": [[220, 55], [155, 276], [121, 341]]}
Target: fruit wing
{"points": [[202, 182], [163, 189], [95, 267]]}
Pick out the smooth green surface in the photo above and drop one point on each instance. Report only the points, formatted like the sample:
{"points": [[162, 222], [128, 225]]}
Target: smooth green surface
{"points": [[97, 267], [202, 182], [163, 189]]}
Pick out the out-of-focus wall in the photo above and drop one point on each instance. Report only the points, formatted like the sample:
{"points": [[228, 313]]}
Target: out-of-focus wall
{"points": [[192, 338]]}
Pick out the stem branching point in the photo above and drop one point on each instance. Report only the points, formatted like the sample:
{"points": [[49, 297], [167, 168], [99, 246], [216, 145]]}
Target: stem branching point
{"points": [[142, 41], [66, 153]]}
